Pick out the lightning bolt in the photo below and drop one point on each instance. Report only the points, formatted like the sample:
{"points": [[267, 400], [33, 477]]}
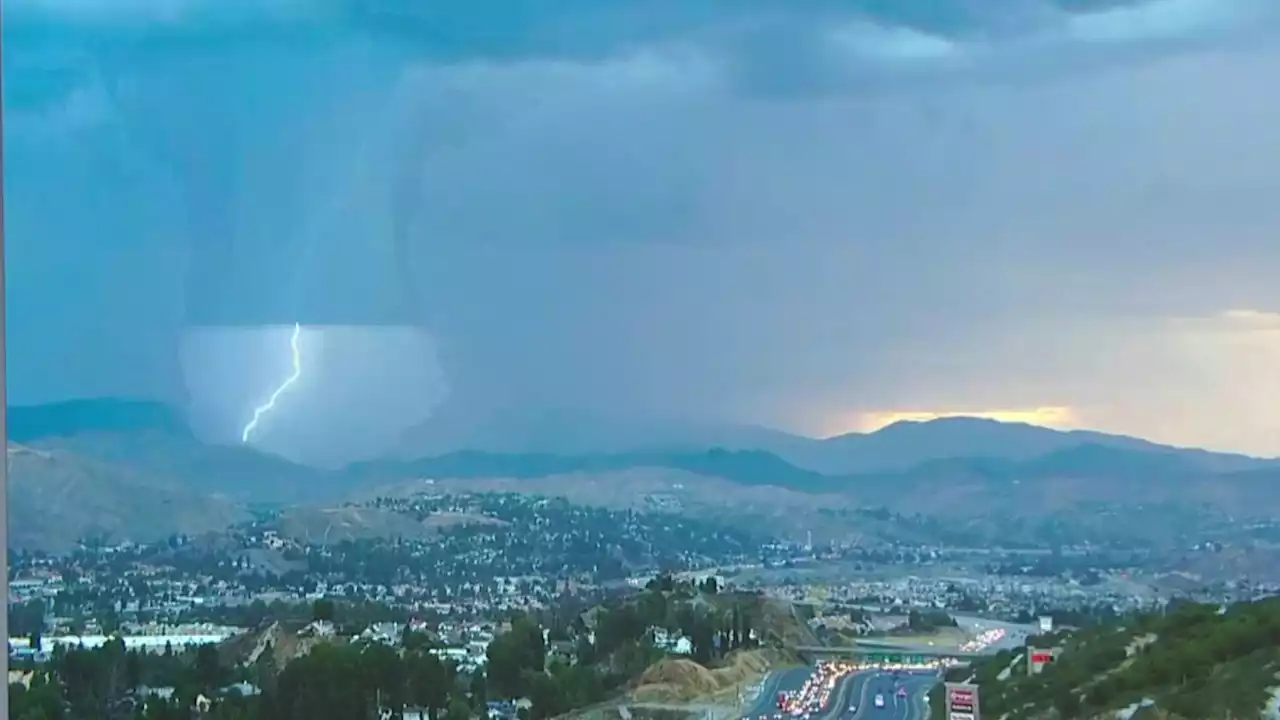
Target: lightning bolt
{"points": [[270, 404]]}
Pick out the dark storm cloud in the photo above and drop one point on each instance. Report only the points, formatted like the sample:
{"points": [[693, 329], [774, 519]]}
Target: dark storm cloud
{"points": [[732, 211]]}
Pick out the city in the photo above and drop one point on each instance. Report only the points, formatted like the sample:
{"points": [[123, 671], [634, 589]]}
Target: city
{"points": [[445, 360], [646, 589]]}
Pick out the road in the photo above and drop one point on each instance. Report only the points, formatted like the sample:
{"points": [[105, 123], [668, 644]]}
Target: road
{"points": [[1016, 634], [775, 682], [853, 697], [911, 707]]}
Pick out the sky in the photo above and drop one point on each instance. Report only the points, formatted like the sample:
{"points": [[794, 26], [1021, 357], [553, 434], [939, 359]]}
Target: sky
{"points": [[816, 220]]}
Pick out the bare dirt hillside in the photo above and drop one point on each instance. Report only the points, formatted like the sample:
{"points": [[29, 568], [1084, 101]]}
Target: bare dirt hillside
{"points": [[678, 680], [352, 522], [283, 643], [58, 498]]}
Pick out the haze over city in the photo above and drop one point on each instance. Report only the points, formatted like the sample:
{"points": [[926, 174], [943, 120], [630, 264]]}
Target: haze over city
{"points": [[817, 223]]}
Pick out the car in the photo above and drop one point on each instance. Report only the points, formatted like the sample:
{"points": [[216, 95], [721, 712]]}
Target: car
{"points": [[879, 700], [853, 708], [902, 692]]}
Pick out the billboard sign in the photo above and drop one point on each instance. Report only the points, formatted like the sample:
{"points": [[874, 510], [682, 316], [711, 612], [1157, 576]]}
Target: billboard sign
{"points": [[1038, 658], [962, 701]]}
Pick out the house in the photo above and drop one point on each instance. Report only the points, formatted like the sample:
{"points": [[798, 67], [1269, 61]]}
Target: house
{"points": [[319, 628], [501, 710], [565, 651], [164, 692], [670, 642], [243, 689], [387, 633]]}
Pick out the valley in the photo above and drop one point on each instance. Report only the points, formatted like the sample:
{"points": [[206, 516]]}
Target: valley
{"points": [[137, 473], [128, 529]]}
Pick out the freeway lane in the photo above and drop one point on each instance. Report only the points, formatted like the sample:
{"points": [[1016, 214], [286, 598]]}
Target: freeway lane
{"points": [[852, 698], [912, 707], [850, 690], [792, 679]]}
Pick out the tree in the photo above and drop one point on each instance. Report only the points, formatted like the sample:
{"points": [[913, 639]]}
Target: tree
{"points": [[324, 684], [479, 692], [26, 619], [621, 625], [40, 701], [429, 682], [545, 696], [413, 641], [580, 685], [387, 674], [666, 582], [512, 655], [323, 609], [1067, 702], [133, 670], [458, 710], [208, 667]]}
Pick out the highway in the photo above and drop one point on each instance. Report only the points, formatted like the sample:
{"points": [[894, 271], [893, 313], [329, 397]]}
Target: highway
{"points": [[911, 707], [789, 680], [853, 697]]}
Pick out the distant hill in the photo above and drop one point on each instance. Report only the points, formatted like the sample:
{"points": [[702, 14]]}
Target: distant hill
{"points": [[331, 525], [566, 432], [104, 415], [907, 443], [898, 446], [745, 467], [57, 499], [958, 468], [154, 441], [1074, 477]]}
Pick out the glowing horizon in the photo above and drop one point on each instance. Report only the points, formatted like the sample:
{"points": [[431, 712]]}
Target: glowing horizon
{"points": [[1055, 417]]}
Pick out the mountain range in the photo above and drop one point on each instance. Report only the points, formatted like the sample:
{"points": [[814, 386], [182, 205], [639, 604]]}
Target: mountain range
{"points": [[120, 468], [894, 447]]}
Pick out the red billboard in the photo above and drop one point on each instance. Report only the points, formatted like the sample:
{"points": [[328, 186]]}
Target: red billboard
{"points": [[1042, 658], [961, 697]]}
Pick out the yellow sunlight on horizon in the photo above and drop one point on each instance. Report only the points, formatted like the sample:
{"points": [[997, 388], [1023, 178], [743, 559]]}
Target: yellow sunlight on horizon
{"points": [[1056, 417]]}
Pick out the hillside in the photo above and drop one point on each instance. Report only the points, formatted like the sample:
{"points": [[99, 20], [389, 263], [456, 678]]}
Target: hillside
{"points": [[960, 487], [564, 432], [103, 415], [896, 447], [331, 525], [731, 639], [982, 477], [1089, 474], [645, 489], [743, 467], [908, 443], [1196, 662], [154, 441], [57, 498]]}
